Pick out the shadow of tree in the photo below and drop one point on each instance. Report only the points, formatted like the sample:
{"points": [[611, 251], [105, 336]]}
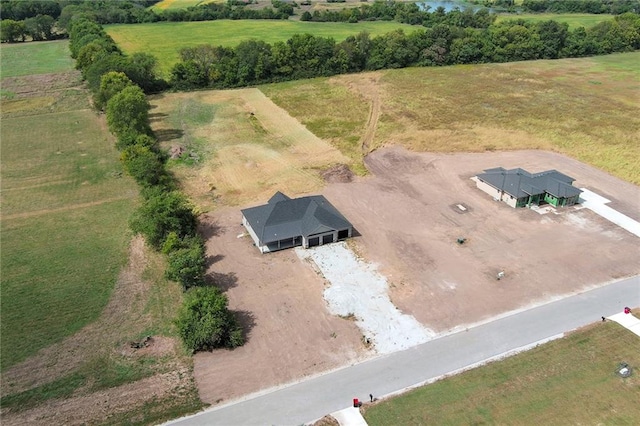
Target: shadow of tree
{"points": [[210, 260], [247, 321], [223, 281], [157, 116], [165, 135], [209, 228]]}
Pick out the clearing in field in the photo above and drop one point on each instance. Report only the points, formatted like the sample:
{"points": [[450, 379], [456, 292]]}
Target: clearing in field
{"points": [[165, 39], [239, 147], [573, 379]]}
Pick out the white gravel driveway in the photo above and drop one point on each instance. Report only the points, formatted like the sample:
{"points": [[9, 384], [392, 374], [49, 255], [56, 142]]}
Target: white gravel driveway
{"points": [[357, 288]]}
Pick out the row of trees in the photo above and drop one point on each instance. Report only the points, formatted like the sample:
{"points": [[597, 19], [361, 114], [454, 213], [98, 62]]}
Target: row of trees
{"points": [[38, 28], [166, 218], [406, 13], [305, 55], [614, 7]]}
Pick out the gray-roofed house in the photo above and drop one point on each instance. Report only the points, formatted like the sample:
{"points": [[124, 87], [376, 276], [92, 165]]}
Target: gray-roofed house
{"points": [[519, 188], [288, 222]]}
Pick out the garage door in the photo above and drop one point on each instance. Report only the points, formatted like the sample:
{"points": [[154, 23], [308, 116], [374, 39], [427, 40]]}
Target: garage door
{"points": [[314, 241], [326, 239]]}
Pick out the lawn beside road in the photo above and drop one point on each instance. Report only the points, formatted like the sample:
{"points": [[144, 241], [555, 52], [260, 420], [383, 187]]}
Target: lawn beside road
{"points": [[571, 381]]}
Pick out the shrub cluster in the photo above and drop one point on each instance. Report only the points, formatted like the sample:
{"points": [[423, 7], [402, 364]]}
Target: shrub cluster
{"points": [[166, 218]]}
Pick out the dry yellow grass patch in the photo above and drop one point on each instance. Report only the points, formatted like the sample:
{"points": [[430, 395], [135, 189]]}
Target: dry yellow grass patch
{"points": [[249, 149]]}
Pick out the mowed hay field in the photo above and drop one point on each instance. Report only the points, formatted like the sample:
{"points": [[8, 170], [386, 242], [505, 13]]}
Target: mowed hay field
{"points": [[585, 108], [65, 206], [17, 59], [76, 288], [567, 381], [165, 39]]}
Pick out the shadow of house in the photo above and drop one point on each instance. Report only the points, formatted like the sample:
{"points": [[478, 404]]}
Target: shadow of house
{"points": [[285, 222], [519, 188]]}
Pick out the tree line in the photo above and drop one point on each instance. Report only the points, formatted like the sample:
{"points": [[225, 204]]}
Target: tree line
{"points": [[19, 16], [166, 219], [614, 7], [305, 56]]}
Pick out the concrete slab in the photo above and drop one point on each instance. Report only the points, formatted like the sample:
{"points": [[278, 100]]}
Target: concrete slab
{"points": [[596, 203], [628, 321], [349, 417]]}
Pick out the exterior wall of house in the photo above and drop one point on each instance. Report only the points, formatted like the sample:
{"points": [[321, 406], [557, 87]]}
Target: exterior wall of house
{"points": [[551, 200], [572, 200], [483, 186], [254, 237], [510, 200]]}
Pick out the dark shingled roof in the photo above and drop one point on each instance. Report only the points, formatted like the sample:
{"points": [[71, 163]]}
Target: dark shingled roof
{"points": [[283, 217], [520, 183]]}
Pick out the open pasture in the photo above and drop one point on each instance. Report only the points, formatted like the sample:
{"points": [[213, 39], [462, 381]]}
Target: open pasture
{"points": [[571, 380], [574, 20], [165, 39], [585, 108], [65, 207], [18, 59]]}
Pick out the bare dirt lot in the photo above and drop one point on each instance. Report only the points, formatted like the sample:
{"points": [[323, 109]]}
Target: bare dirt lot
{"points": [[409, 224], [407, 215], [279, 300]]}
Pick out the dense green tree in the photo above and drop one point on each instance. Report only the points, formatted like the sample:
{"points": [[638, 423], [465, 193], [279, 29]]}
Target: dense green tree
{"points": [[90, 53], [553, 36], [143, 164], [141, 69], [205, 323], [40, 27], [187, 264], [161, 213], [128, 111], [12, 31], [111, 83]]}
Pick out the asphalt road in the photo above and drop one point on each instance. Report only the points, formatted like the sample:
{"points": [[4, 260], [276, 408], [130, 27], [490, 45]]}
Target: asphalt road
{"points": [[311, 399]]}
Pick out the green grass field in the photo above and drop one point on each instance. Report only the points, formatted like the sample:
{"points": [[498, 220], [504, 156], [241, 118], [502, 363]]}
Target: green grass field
{"points": [[165, 39], [574, 20], [65, 205], [585, 108], [567, 381], [42, 57]]}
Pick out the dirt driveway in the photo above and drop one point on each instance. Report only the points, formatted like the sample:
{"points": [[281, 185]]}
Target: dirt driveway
{"points": [[408, 220]]}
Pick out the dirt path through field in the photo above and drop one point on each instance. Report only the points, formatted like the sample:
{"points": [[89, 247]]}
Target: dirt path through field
{"points": [[367, 86]]}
